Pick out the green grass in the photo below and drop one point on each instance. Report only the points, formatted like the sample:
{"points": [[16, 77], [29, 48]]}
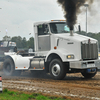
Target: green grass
{"points": [[11, 95]]}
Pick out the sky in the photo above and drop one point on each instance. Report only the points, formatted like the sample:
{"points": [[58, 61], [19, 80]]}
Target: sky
{"points": [[18, 16]]}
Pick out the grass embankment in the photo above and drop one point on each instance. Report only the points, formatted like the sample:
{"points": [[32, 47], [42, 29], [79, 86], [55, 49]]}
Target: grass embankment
{"points": [[11, 95]]}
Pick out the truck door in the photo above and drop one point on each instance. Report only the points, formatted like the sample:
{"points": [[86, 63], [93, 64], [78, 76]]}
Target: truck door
{"points": [[43, 38]]}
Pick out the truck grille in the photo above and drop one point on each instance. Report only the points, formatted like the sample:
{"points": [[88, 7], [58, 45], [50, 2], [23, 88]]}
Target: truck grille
{"points": [[89, 51]]}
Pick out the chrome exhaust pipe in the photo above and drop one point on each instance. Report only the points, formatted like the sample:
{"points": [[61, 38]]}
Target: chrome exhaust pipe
{"points": [[71, 33]]}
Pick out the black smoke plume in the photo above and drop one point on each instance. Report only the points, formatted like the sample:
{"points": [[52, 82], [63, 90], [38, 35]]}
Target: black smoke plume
{"points": [[71, 9]]}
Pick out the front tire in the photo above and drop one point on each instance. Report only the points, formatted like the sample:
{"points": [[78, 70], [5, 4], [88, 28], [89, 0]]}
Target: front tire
{"points": [[88, 75], [57, 69]]}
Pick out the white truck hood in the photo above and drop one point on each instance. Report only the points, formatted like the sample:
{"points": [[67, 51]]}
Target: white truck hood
{"points": [[75, 37]]}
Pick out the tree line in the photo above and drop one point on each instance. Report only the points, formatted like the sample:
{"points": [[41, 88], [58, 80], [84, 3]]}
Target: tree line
{"points": [[21, 43]]}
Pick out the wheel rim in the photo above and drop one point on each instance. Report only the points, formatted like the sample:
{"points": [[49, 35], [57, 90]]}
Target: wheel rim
{"points": [[56, 69]]}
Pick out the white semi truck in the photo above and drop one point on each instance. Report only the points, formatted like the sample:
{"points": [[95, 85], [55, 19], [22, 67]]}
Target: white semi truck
{"points": [[57, 51]]}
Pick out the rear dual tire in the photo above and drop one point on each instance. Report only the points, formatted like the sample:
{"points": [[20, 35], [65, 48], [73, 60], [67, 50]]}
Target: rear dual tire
{"points": [[9, 68]]}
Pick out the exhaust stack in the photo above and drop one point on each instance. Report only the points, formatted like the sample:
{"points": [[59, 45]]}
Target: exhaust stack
{"points": [[71, 33], [71, 30]]}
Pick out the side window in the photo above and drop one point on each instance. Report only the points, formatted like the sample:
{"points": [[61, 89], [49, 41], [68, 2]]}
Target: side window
{"points": [[43, 29], [40, 30]]}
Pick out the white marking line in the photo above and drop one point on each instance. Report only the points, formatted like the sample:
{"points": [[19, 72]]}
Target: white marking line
{"points": [[17, 81], [94, 98]]}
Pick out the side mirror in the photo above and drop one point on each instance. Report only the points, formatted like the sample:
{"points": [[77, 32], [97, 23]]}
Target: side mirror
{"points": [[46, 30]]}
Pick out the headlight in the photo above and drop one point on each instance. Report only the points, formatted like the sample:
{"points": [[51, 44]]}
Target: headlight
{"points": [[70, 56], [99, 54]]}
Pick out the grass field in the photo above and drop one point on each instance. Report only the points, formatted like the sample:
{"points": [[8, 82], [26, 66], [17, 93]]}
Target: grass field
{"points": [[11, 95]]}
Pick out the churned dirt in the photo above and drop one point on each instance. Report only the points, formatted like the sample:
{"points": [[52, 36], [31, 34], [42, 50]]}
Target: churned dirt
{"points": [[74, 86]]}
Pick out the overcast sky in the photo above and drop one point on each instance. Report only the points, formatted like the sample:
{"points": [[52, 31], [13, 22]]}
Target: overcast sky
{"points": [[17, 16]]}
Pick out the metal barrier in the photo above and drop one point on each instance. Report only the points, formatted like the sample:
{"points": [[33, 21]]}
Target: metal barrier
{"points": [[0, 84]]}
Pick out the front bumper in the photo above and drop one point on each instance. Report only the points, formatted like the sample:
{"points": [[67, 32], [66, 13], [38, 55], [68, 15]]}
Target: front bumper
{"points": [[98, 64], [85, 64]]}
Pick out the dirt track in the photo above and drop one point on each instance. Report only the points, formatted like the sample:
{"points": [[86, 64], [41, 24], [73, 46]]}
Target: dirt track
{"points": [[74, 85]]}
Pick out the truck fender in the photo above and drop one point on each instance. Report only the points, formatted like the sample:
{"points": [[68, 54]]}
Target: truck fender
{"points": [[10, 57], [55, 54], [20, 62]]}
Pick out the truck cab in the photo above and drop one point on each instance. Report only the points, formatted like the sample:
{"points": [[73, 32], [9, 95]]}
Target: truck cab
{"points": [[44, 32], [59, 51]]}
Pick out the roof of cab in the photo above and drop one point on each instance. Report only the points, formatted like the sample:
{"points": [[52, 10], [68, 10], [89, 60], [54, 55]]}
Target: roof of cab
{"points": [[50, 21]]}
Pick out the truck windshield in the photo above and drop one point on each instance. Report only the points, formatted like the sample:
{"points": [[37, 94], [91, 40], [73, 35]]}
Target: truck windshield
{"points": [[61, 27]]}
